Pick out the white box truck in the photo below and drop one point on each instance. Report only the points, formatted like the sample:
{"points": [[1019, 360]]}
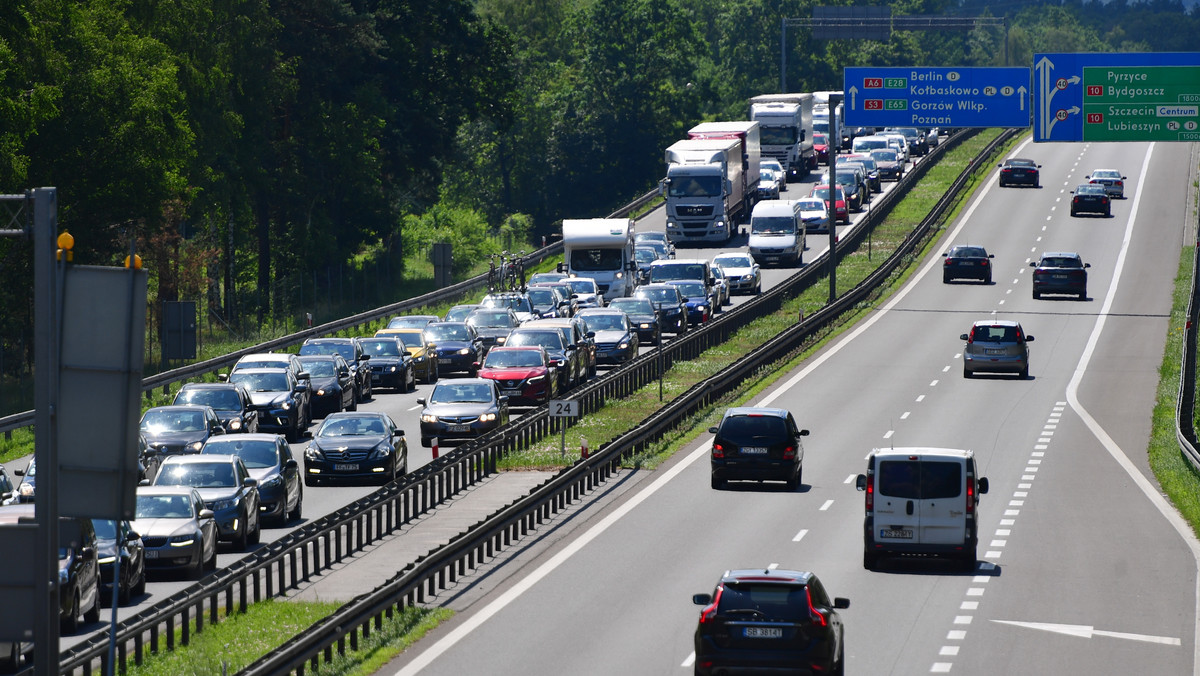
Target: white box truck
{"points": [[601, 248], [711, 183], [786, 123]]}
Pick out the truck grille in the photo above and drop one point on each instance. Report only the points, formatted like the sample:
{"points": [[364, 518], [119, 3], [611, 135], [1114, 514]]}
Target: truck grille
{"points": [[697, 210]]}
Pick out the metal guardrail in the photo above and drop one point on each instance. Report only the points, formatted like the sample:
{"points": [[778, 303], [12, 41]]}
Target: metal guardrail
{"points": [[453, 292], [441, 568], [290, 561], [1185, 402]]}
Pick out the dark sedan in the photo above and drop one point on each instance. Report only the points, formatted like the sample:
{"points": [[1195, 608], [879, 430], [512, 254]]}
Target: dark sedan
{"points": [[269, 460], [359, 445], [1060, 272], [230, 401], [641, 315], [699, 301], [616, 338], [227, 489], [332, 383], [277, 396], [459, 346], [967, 262], [1090, 198], [172, 430], [566, 359], [351, 350], [118, 539], [462, 408], [545, 302], [391, 366], [493, 325], [1019, 171], [669, 303]]}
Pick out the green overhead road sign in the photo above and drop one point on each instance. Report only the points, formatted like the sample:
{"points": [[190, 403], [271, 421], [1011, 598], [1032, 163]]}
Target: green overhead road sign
{"points": [[1148, 103]]}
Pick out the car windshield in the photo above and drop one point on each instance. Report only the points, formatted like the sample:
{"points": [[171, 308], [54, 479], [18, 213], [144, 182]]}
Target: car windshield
{"points": [[273, 381], [255, 454], [767, 175], [995, 334], [633, 306], [1089, 189], [541, 297], [172, 420], [498, 359], [219, 399], [692, 290], [443, 332], [408, 322], [664, 273], [164, 507], [344, 349], [459, 313], [695, 186], [885, 156], [1022, 163], [540, 277], [582, 286], [106, 529], [605, 322], [772, 225], [549, 339], [490, 320], [919, 480], [357, 426], [517, 303], [411, 339], [651, 236], [753, 430], [320, 368], [198, 474], [811, 205], [968, 252], [1106, 173], [381, 348], [775, 602], [820, 139], [1061, 262], [461, 393], [588, 260], [734, 261], [823, 193], [659, 295], [644, 255]]}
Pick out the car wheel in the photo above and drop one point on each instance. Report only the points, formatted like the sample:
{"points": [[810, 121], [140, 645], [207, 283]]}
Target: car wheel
{"points": [[294, 514], [13, 662], [1108, 213], [1072, 213], [1083, 295], [433, 378], [1023, 374], [718, 484], [988, 279], [967, 373], [293, 433], [93, 614], [353, 404], [1037, 295], [870, 560], [968, 560], [310, 481], [946, 279], [794, 482], [242, 540], [125, 592], [139, 588], [256, 534], [70, 624], [839, 667]]}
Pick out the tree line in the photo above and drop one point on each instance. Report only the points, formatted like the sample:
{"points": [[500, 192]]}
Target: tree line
{"points": [[241, 141]]}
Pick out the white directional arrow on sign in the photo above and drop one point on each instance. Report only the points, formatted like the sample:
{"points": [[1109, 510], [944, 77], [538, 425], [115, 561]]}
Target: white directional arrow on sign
{"points": [[1021, 91], [1085, 631], [853, 96]]}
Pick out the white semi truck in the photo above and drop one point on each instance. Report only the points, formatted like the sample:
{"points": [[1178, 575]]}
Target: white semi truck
{"points": [[601, 248], [712, 181], [786, 122]]}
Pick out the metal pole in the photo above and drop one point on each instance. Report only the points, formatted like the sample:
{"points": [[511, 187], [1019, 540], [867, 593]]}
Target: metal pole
{"points": [[658, 352], [45, 296], [783, 56], [835, 143]]}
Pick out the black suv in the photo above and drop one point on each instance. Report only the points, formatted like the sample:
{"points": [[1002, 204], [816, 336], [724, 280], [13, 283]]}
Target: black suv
{"points": [[352, 351], [757, 444], [777, 621], [230, 401]]}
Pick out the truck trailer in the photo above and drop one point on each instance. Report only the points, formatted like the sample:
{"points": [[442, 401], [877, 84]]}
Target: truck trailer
{"points": [[712, 181], [601, 248], [786, 122]]}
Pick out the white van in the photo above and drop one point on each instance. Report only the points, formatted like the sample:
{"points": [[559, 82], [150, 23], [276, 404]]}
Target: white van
{"points": [[777, 232], [921, 501]]}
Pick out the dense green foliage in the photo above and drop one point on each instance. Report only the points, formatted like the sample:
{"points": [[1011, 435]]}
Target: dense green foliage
{"points": [[252, 146]]}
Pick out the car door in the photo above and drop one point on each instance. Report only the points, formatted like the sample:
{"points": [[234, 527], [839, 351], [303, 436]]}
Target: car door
{"points": [[897, 500], [941, 509]]}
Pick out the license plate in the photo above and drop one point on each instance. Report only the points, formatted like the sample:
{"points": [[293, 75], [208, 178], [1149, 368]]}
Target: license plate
{"points": [[754, 450], [375, 378], [905, 533], [966, 262], [994, 351], [1059, 276], [151, 553], [444, 360], [510, 392], [763, 632], [458, 428], [345, 468]]}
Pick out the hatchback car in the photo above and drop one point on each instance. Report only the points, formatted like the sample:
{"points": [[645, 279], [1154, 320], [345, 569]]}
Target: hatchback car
{"points": [[516, 301], [227, 489], [359, 445], [616, 338], [669, 303], [178, 531], [1111, 180], [757, 444], [277, 396], [333, 384], [698, 299], [650, 236], [173, 430], [841, 213], [1090, 198], [390, 364], [459, 346], [1060, 272], [587, 293], [889, 163], [230, 401], [967, 262], [269, 460], [567, 360], [525, 374], [996, 345], [118, 539], [641, 315], [545, 302], [765, 620], [742, 273], [1019, 171], [462, 408]]}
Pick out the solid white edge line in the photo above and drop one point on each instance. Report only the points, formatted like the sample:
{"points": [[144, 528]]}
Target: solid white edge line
{"points": [[520, 587], [1165, 508]]}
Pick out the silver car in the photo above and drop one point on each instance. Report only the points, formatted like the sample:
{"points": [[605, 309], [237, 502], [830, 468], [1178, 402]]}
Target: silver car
{"points": [[741, 272], [996, 345], [1111, 179]]}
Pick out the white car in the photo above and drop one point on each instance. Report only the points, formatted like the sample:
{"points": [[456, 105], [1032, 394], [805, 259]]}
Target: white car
{"points": [[741, 272], [1111, 179], [587, 292], [777, 169], [813, 214], [768, 185]]}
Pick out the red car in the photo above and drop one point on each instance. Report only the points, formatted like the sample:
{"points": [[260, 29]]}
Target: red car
{"points": [[821, 146], [523, 374], [841, 213]]}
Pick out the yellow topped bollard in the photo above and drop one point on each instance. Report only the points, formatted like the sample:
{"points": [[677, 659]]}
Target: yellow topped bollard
{"points": [[66, 243]]}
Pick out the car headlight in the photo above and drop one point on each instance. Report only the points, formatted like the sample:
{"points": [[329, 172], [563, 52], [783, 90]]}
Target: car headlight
{"points": [[321, 392], [392, 369], [274, 482], [702, 308], [381, 451], [196, 446], [719, 224], [465, 351], [107, 560], [647, 325], [287, 405], [536, 379], [487, 417], [501, 339], [218, 505], [623, 346], [620, 275], [313, 453], [671, 225], [428, 418], [235, 425], [26, 490], [181, 540]]}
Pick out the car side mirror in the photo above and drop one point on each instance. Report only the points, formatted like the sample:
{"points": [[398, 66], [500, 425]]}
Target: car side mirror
{"points": [[303, 375], [1028, 339], [398, 433], [223, 377], [983, 485], [88, 553], [291, 463], [964, 337], [1033, 264], [345, 373], [132, 536], [431, 346], [860, 482], [144, 482], [207, 514], [503, 399], [364, 357], [301, 387], [841, 602], [421, 400], [250, 482], [1087, 265], [804, 433], [701, 599], [991, 255], [712, 430]]}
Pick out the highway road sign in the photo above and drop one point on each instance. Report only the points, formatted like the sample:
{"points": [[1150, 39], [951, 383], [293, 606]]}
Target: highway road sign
{"points": [[1117, 97], [564, 408], [937, 97]]}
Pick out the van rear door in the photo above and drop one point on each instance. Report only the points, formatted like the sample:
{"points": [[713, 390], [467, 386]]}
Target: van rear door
{"points": [[919, 501]]}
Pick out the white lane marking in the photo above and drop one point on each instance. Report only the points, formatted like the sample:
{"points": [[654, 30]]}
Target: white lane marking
{"points": [[950, 650], [991, 554], [1086, 631], [1008, 522], [904, 416], [922, 397], [415, 408], [945, 368], [1016, 503], [962, 619], [826, 506], [975, 591], [1031, 469], [800, 535], [969, 605], [1150, 491], [1012, 512], [940, 668], [850, 479], [956, 635], [933, 384], [998, 543], [772, 566], [888, 434], [1003, 532], [981, 579], [691, 659]]}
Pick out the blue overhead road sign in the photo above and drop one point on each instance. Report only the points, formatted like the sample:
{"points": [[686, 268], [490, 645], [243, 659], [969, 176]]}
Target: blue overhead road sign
{"points": [[1117, 97], [937, 97]]}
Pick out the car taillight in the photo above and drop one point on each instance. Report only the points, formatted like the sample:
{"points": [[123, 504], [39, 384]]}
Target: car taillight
{"points": [[870, 492], [970, 495], [710, 611], [818, 618], [983, 261], [789, 453], [1076, 199], [718, 450], [949, 262]]}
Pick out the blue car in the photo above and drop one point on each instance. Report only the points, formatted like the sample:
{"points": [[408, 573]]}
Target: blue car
{"points": [[701, 303], [270, 462], [459, 347]]}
